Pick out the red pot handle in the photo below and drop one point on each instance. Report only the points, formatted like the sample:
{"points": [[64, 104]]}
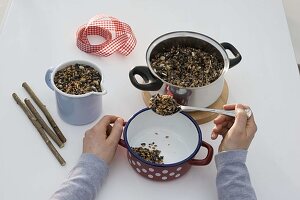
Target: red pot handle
{"points": [[122, 143], [207, 159]]}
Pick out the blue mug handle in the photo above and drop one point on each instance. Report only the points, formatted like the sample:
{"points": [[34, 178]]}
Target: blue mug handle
{"points": [[48, 78]]}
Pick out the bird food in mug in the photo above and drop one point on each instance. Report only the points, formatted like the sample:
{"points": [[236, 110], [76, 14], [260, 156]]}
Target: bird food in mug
{"points": [[78, 79]]}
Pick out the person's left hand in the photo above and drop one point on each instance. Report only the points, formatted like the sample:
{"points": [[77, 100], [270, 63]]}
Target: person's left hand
{"points": [[102, 139]]}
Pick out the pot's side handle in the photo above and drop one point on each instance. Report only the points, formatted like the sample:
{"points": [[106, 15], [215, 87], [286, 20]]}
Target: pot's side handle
{"points": [[151, 82], [234, 51], [122, 143], [207, 159]]}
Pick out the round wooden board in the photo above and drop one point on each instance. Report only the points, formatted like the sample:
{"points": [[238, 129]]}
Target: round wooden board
{"points": [[199, 116]]}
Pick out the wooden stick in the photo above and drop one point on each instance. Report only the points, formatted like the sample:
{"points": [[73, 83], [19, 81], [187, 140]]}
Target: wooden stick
{"points": [[45, 111], [43, 123], [40, 129]]}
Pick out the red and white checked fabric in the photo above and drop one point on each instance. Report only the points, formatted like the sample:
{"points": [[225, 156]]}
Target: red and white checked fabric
{"points": [[118, 36]]}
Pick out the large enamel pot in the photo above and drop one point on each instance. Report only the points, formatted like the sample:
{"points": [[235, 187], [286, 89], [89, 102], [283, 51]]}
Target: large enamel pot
{"points": [[178, 137], [192, 96]]}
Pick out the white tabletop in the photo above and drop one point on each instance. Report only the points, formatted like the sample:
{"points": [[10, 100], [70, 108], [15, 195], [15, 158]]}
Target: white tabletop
{"points": [[39, 34]]}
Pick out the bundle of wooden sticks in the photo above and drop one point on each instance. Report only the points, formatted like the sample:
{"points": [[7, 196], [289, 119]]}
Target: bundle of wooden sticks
{"points": [[40, 124]]}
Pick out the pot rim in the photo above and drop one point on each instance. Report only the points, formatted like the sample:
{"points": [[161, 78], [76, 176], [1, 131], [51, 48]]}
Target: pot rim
{"points": [[163, 165], [65, 64], [175, 34]]}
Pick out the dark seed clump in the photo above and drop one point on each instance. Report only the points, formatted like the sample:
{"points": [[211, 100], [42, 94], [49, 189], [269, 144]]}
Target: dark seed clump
{"points": [[163, 104], [78, 79], [187, 66], [150, 154]]}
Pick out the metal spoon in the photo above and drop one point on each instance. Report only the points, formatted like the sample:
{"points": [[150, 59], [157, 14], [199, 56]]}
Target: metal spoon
{"points": [[219, 111], [166, 105]]}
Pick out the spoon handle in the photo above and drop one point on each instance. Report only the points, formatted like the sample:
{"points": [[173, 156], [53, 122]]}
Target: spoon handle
{"points": [[219, 111]]}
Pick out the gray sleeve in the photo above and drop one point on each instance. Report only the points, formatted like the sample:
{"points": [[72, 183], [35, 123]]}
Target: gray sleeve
{"points": [[233, 180], [84, 180]]}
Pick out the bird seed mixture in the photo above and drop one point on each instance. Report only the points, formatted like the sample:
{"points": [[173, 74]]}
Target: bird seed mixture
{"points": [[149, 153], [78, 79], [163, 104], [187, 66]]}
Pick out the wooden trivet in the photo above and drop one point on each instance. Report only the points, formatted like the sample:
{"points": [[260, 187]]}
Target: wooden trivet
{"points": [[199, 116]]}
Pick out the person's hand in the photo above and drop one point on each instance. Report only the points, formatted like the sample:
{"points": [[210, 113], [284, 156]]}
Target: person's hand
{"points": [[102, 139], [237, 132]]}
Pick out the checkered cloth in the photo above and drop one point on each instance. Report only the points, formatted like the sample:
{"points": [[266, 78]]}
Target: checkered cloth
{"points": [[118, 36]]}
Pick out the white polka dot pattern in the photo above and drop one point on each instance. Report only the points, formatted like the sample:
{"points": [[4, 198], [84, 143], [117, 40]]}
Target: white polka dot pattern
{"points": [[150, 176], [144, 170], [172, 174], [151, 169], [157, 174]]}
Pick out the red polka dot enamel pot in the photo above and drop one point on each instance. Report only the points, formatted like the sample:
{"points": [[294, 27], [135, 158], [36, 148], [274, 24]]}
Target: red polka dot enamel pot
{"points": [[177, 136]]}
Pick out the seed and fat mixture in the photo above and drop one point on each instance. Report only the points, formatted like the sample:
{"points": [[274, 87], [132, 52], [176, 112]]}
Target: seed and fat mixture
{"points": [[187, 66], [78, 79], [163, 104], [149, 153]]}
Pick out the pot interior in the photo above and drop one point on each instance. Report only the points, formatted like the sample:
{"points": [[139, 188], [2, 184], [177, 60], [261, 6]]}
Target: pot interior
{"points": [[186, 42], [186, 39], [176, 136]]}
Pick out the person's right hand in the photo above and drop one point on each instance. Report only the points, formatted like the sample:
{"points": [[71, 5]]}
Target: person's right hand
{"points": [[237, 132]]}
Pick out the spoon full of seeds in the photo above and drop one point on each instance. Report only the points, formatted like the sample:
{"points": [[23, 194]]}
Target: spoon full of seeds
{"points": [[166, 105]]}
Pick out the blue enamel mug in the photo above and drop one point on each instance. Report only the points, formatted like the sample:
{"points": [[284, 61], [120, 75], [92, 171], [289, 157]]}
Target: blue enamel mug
{"points": [[76, 109]]}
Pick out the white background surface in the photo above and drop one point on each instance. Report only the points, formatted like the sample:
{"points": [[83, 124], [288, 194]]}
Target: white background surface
{"points": [[292, 10], [39, 34]]}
